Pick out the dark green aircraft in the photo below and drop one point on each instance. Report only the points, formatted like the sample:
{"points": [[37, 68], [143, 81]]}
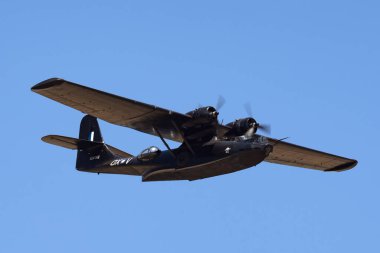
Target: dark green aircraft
{"points": [[207, 148]]}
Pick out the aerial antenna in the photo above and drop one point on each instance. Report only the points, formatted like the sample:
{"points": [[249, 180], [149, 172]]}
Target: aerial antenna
{"points": [[280, 140]]}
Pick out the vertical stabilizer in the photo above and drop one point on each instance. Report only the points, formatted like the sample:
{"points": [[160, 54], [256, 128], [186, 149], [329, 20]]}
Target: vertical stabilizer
{"points": [[89, 129], [95, 153]]}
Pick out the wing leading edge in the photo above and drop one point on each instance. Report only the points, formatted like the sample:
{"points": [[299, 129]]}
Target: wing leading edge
{"points": [[290, 154]]}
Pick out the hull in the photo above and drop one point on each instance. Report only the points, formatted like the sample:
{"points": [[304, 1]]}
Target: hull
{"points": [[218, 167]]}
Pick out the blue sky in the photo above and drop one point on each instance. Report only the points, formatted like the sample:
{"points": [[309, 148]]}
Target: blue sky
{"points": [[309, 68]]}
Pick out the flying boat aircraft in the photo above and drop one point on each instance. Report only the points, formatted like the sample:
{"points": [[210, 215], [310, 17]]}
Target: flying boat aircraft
{"points": [[207, 148]]}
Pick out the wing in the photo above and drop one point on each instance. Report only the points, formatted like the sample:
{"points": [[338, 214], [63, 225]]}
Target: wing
{"points": [[294, 155], [114, 109]]}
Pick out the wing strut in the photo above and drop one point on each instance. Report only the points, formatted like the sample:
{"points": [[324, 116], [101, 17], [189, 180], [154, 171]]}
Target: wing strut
{"points": [[165, 143], [183, 137]]}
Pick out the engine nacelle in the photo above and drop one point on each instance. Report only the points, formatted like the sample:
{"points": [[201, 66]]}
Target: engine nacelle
{"points": [[241, 126], [203, 115]]}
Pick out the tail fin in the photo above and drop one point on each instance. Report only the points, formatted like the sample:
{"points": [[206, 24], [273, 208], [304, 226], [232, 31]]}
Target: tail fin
{"points": [[93, 155], [92, 152], [89, 129]]}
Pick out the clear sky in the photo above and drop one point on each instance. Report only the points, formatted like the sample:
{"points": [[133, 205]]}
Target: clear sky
{"points": [[309, 68]]}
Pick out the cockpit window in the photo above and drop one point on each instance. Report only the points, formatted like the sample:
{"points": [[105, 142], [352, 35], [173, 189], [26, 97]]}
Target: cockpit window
{"points": [[149, 154]]}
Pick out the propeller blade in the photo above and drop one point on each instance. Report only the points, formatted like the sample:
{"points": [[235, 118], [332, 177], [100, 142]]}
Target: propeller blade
{"points": [[248, 109], [219, 104], [266, 128]]}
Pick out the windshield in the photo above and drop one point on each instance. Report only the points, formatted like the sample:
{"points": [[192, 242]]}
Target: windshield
{"points": [[149, 154]]}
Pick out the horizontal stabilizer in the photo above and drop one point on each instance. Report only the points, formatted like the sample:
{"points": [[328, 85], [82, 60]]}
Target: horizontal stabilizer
{"points": [[78, 144]]}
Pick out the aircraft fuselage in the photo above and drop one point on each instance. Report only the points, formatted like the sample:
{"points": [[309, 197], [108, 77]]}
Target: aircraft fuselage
{"points": [[216, 158]]}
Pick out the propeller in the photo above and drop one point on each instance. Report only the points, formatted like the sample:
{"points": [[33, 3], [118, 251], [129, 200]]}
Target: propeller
{"points": [[248, 109], [266, 128], [219, 104]]}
